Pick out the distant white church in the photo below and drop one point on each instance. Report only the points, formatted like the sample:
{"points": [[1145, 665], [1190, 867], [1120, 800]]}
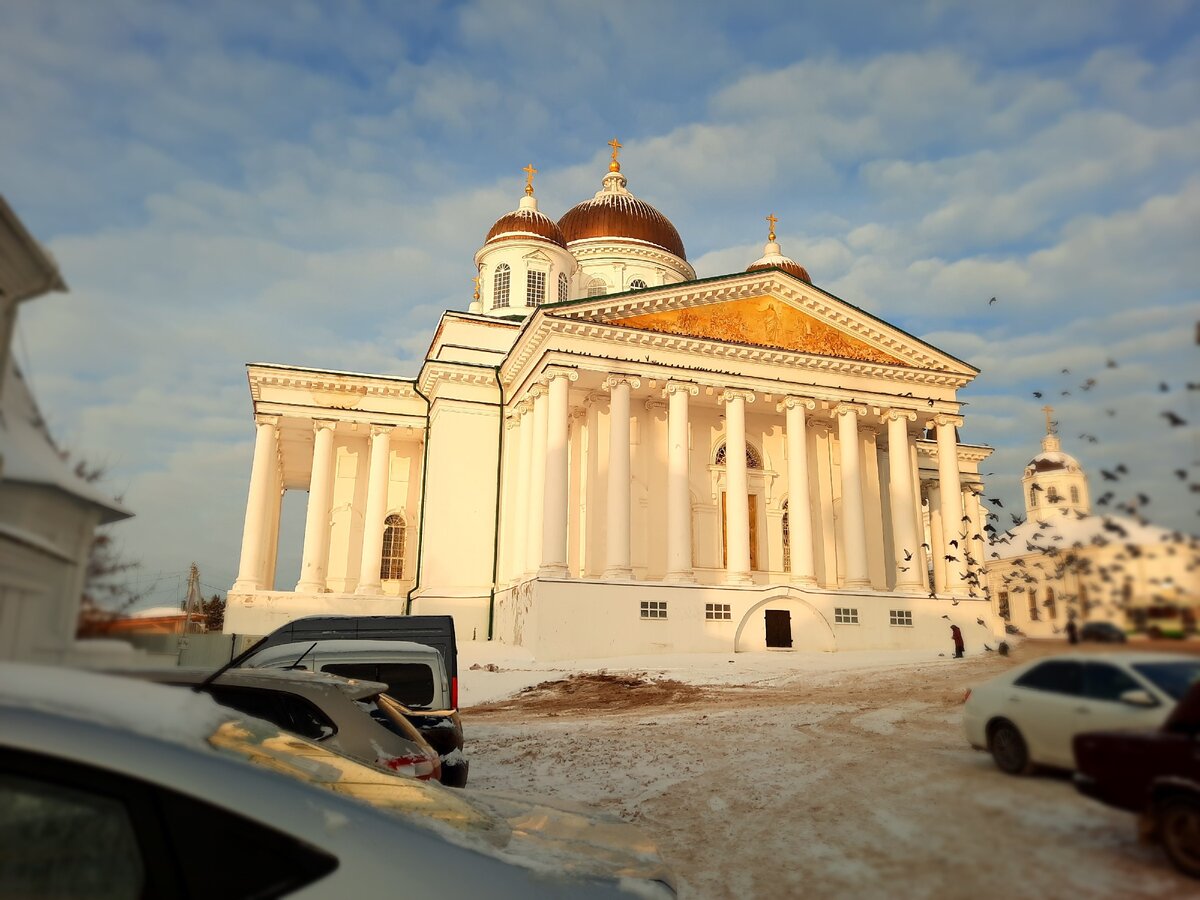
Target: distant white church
{"points": [[1064, 561], [607, 456]]}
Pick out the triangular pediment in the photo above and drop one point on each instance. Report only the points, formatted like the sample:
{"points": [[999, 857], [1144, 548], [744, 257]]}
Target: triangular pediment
{"points": [[770, 310], [764, 322]]}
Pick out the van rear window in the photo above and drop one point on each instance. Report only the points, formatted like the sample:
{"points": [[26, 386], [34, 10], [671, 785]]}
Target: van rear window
{"points": [[410, 683]]}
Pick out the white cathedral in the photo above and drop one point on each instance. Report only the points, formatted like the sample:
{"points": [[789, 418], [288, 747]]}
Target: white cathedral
{"points": [[607, 456]]}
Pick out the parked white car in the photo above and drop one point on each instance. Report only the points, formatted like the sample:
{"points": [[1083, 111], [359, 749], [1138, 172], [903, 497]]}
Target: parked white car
{"points": [[120, 788], [1029, 715]]}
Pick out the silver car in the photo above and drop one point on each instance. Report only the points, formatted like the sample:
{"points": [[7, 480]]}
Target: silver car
{"points": [[113, 787], [351, 717]]}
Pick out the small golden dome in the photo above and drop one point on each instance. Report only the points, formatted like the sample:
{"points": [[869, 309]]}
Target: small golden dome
{"points": [[773, 258], [526, 223]]}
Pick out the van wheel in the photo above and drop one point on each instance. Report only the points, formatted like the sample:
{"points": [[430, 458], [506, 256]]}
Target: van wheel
{"points": [[455, 775], [1009, 750], [1179, 831]]}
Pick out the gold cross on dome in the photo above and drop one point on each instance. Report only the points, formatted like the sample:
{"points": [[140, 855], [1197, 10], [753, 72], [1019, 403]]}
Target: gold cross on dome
{"points": [[616, 145], [529, 171], [771, 218], [1049, 425], [475, 281]]}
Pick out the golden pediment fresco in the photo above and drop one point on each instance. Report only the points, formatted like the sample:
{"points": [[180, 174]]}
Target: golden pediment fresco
{"points": [[763, 321]]}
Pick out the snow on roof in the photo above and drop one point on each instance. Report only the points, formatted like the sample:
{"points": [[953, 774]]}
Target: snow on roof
{"points": [[151, 710], [30, 454], [154, 612], [1078, 532]]}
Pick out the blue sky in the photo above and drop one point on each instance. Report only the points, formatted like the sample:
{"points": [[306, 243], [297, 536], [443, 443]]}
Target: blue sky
{"points": [[226, 182]]}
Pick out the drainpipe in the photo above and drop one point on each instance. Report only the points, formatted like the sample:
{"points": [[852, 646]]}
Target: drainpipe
{"points": [[421, 516], [496, 529]]}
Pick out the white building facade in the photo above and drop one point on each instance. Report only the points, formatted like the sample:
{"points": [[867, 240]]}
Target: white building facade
{"points": [[606, 456]]}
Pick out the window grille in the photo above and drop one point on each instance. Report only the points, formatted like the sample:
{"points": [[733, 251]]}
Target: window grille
{"points": [[1005, 612], [500, 286], [535, 288], [718, 612], [900, 617], [1074, 494], [753, 460], [654, 609], [637, 284], [562, 287], [392, 566], [845, 615], [597, 287]]}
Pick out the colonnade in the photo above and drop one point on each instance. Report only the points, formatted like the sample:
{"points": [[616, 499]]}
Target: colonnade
{"points": [[540, 538]]}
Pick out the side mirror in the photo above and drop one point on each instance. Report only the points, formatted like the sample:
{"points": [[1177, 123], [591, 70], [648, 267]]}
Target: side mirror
{"points": [[1138, 697]]}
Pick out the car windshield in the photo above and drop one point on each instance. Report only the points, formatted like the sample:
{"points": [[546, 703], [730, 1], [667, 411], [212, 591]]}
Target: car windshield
{"points": [[420, 802], [1174, 678]]}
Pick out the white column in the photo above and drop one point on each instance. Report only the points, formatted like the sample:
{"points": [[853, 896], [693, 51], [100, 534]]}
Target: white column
{"points": [[316, 522], [919, 515], [378, 478], [537, 481], [554, 499], [978, 548], [904, 533], [617, 560], [679, 494], [853, 518], [737, 489], [937, 536], [951, 502], [258, 503], [518, 504], [800, 516]]}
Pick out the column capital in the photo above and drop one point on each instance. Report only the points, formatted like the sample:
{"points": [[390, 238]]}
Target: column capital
{"points": [[867, 428], [676, 387], [729, 394], [653, 404], [319, 424], [819, 425], [377, 430], [791, 402], [946, 419], [522, 406], [260, 419], [595, 398], [857, 409], [577, 412], [896, 413], [613, 380], [552, 372], [511, 422], [537, 389]]}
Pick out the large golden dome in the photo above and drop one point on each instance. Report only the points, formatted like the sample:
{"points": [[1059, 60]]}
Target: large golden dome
{"points": [[615, 213]]}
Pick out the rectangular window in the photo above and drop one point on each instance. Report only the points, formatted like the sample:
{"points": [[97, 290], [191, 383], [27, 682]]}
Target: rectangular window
{"points": [[535, 288], [719, 612], [845, 615], [901, 617], [1005, 612], [654, 609], [1033, 610]]}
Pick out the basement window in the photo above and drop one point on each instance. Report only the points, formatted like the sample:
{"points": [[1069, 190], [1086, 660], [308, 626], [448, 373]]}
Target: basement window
{"points": [[718, 612], [654, 609], [845, 615], [900, 617]]}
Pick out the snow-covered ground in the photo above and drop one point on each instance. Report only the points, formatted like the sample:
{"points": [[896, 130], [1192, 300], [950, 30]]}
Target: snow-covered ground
{"points": [[787, 775]]}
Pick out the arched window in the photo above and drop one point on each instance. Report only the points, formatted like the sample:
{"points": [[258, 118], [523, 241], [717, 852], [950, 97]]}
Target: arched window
{"points": [[500, 286], [562, 287], [1074, 494], [1050, 605], [787, 539], [597, 287], [753, 460], [1032, 497], [1033, 609], [392, 566], [1005, 613], [637, 284], [535, 288], [1052, 494]]}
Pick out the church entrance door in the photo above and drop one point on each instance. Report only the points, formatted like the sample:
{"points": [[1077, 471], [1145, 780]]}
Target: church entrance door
{"points": [[779, 628], [752, 503]]}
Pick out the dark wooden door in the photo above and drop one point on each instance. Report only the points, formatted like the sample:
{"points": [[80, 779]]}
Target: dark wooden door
{"points": [[779, 628]]}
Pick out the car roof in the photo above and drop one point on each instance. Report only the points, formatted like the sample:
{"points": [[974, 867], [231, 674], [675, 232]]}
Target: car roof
{"points": [[344, 646], [295, 681], [151, 710], [1131, 657]]}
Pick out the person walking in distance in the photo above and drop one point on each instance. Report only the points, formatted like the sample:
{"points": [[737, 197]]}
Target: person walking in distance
{"points": [[1072, 632], [956, 635]]}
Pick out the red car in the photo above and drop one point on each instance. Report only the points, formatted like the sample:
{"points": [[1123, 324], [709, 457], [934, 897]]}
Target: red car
{"points": [[1153, 773]]}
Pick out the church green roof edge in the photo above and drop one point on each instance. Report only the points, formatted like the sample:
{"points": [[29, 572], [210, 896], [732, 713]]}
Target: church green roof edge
{"points": [[712, 278]]}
